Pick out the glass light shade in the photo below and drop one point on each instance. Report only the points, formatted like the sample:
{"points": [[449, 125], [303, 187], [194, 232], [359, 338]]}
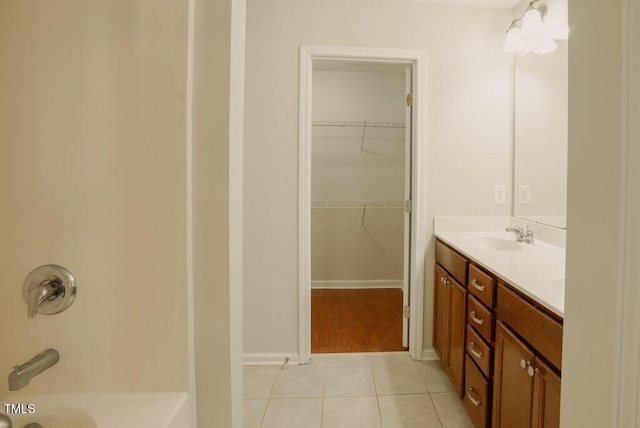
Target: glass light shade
{"points": [[532, 24], [561, 33], [544, 45], [515, 42]]}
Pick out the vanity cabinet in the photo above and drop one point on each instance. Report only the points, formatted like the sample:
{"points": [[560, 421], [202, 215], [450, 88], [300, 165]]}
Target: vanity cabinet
{"points": [[450, 309], [526, 390], [500, 349], [479, 345], [528, 355]]}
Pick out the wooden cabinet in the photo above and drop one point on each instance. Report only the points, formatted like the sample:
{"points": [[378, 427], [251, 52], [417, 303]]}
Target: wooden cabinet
{"points": [[477, 397], [450, 309], [526, 391], [546, 397], [480, 329], [501, 351]]}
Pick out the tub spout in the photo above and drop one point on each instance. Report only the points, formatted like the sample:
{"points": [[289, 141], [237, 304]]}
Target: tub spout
{"points": [[21, 375]]}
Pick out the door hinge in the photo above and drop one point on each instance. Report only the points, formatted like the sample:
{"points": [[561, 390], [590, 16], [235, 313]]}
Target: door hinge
{"points": [[408, 206], [409, 100], [406, 312]]}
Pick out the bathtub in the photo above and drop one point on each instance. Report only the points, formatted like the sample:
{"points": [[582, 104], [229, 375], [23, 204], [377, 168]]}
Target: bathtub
{"points": [[153, 410]]}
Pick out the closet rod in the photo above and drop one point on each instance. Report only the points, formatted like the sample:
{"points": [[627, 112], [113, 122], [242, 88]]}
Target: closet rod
{"points": [[357, 124]]}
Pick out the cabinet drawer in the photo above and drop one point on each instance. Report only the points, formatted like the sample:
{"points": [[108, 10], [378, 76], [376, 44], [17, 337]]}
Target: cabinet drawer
{"points": [[479, 351], [476, 395], [541, 331], [480, 318], [453, 262], [482, 285]]}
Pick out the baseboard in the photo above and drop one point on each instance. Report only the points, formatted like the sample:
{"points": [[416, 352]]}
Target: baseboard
{"points": [[270, 359], [350, 284], [429, 354]]}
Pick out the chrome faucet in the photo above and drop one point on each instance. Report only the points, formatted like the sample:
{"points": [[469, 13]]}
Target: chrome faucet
{"points": [[521, 234], [21, 375], [45, 291]]}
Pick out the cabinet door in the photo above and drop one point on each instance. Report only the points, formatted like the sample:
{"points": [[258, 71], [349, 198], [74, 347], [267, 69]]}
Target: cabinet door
{"points": [[457, 339], [546, 397], [512, 383], [440, 298]]}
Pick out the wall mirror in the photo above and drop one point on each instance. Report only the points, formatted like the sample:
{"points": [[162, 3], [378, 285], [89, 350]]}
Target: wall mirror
{"points": [[541, 134]]}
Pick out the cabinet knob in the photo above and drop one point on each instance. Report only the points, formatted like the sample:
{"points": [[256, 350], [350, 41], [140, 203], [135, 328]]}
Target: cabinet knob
{"points": [[526, 365]]}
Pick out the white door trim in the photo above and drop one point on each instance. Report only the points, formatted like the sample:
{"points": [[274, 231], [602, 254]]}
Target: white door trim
{"points": [[418, 59], [626, 397]]}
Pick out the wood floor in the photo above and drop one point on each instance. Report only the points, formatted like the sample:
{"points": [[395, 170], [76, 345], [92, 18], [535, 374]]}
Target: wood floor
{"points": [[363, 320]]}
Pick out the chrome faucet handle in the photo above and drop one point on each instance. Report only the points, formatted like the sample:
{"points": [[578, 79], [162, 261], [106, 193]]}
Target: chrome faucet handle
{"points": [[48, 290], [528, 236]]}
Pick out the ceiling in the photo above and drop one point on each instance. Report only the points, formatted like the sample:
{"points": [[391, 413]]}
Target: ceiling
{"points": [[502, 4]]}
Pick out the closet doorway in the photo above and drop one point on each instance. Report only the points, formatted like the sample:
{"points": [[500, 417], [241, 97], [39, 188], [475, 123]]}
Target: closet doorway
{"points": [[358, 231]]}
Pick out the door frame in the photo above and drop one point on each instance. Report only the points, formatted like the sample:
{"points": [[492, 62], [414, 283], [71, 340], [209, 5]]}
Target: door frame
{"points": [[418, 60]]}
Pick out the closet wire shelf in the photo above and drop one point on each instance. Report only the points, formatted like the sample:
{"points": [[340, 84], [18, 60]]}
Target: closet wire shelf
{"points": [[324, 129], [359, 205], [358, 124]]}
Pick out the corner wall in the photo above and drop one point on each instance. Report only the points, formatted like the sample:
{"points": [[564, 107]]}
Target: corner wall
{"points": [[218, 74], [469, 131], [595, 214]]}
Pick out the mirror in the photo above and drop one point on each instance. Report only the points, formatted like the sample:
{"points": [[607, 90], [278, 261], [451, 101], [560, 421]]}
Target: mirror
{"points": [[541, 134]]}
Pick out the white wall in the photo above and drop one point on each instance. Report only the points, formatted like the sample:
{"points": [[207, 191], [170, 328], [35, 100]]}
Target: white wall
{"points": [[347, 244], [469, 131], [595, 213], [93, 177]]}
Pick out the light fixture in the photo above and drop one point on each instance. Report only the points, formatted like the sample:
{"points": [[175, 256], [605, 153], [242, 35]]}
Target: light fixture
{"points": [[530, 32], [515, 42]]}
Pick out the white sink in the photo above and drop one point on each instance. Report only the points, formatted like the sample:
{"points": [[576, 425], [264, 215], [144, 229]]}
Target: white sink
{"points": [[491, 243]]}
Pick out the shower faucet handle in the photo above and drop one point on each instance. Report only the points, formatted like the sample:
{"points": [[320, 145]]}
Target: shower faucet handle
{"points": [[48, 290]]}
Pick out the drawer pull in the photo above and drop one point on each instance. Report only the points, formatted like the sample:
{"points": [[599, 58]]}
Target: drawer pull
{"points": [[473, 401], [473, 350], [477, 286], [475, 319]]}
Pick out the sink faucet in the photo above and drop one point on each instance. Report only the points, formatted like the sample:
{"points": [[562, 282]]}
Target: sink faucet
{"points": [[21, 375], [521, 234]]}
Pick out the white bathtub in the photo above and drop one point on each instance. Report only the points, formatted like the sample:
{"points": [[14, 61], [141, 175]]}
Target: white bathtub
{"points": [[153, 410]]}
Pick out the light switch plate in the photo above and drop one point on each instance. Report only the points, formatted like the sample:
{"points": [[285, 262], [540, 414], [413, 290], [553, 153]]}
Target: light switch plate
{"points": [[524, 194], [499, 194]]}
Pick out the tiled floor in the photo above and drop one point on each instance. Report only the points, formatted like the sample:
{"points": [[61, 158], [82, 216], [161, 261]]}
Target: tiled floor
{"points": [[353, 391]]}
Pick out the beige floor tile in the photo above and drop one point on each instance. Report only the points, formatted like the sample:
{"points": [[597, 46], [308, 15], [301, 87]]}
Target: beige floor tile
{"points": [[435, 377], [351, 412], [299, 382], [293, 413], [342, 361], [253, 412], [408, 411], [398, 380], [391, 360], [451, 410], [349, 382], [317, 362], [258, 381]]}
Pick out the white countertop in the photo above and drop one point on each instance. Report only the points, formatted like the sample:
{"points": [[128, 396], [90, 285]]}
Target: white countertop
{"points": [[536, 269]]}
